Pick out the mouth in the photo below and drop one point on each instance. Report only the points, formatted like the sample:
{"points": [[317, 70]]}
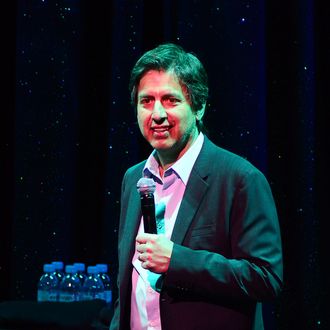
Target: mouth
{"points": [[161, 132], [160, 129]]}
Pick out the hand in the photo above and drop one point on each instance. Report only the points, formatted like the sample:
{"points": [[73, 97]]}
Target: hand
{"points": [[155, 252]]}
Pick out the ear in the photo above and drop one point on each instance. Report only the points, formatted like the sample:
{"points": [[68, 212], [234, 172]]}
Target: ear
{"points": [[200, 113]]}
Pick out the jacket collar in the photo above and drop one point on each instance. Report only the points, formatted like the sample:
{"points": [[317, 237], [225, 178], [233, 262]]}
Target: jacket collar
{"points": [[195, 191]]}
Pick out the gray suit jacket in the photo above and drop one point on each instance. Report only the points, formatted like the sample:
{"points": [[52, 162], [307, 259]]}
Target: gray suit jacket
{"points": [[227, 255]]}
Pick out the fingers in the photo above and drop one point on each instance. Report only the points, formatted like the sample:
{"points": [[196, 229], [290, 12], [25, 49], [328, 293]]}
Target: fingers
{"points": [[145, 238], [144, 242], [144, 248], [143, 257], [154, 252], [145, 263], [141, 248]]}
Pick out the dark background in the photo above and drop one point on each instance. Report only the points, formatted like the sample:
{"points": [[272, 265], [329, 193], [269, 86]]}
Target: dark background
{"points": [[68, 132]]}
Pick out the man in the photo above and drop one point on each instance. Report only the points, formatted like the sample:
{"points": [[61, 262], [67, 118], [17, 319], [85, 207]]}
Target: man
{"points": [[217, 253]]}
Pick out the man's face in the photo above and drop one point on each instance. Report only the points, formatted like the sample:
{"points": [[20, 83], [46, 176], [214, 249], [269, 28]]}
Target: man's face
{"points": [[164, 114]]}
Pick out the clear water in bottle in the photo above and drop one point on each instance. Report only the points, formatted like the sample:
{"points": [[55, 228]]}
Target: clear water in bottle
{"points": [[70, 286], [59, 273], [47, 285], [93, 287], [103, 274]]}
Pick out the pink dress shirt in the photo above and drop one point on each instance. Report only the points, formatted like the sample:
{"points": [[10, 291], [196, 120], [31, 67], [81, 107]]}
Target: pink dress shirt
{"points": [[145, 313]]}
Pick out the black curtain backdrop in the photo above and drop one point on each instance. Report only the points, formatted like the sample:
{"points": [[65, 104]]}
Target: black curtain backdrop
{"points": [[68, 131]]}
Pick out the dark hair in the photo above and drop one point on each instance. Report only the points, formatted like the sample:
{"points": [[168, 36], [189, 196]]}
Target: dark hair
{"points": [[186, 67]]}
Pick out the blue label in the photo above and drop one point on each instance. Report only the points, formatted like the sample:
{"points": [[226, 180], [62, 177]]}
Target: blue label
{"points": [[108, 296], [67, 297]]}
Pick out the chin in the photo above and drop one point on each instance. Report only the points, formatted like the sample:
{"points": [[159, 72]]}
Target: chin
{"points": [[161, 145]]}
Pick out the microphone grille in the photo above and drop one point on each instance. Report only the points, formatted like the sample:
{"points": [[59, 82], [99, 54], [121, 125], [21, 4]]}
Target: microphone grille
{"points": [[146, 186]]}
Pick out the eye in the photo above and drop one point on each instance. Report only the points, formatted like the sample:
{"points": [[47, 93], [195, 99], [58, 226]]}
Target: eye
{"points": [[145, 100], [171, 100]]}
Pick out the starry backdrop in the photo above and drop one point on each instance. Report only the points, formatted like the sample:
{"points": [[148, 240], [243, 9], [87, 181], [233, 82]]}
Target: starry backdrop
{"points": [[68, 132]]}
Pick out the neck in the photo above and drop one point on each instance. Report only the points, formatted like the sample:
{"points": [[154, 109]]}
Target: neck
{"points": [[167, 158], [164, 163]]}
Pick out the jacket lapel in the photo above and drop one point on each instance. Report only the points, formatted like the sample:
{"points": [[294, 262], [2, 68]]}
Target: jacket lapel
{"points": [[130, 230], [196, 189]]}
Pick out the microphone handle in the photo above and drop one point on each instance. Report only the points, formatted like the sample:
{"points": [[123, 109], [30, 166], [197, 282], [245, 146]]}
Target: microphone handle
{"points": [[148, 213]]}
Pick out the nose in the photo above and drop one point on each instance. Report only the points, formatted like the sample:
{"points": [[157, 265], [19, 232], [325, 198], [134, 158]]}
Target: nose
{"points": [[158, 112]]}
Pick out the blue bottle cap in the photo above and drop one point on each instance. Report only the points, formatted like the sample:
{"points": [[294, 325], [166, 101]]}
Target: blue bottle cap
{"points": [[70, 269], [48, 268], [80, 266], [92, 270], [59, 265], [103, 268]]}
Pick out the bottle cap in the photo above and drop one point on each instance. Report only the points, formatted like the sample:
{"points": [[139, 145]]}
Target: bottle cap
{"points": [[48, 268], [103, 268], [92, 270], [80, 266], [59, 265], [70, 269]]}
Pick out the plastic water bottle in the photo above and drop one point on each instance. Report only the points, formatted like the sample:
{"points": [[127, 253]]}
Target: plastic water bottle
{"points": [[48, 284], [80, 273], [70, 286], [103, 274], [59, 273], [80, 268], [93, 287], [59, 269]]}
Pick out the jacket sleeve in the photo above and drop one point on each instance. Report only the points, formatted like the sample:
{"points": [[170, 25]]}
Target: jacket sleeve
{"points": [[115, 321], [253, 271]]}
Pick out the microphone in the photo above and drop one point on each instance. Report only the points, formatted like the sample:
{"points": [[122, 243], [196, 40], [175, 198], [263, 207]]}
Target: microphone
{"points": [[146, 188]]}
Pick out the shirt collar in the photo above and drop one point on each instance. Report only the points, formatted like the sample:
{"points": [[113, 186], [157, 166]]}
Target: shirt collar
{"points": [[181, 167]]}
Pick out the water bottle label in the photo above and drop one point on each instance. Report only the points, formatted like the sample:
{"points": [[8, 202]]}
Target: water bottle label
{"points": [[42, 295], [108, 296], [99, 295], [52, 296], [45, 295], [88, 296], [67, 297]]}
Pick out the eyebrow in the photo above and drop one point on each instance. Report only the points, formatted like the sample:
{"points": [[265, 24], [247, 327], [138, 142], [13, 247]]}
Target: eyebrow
{"points": [[167, 94]]}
